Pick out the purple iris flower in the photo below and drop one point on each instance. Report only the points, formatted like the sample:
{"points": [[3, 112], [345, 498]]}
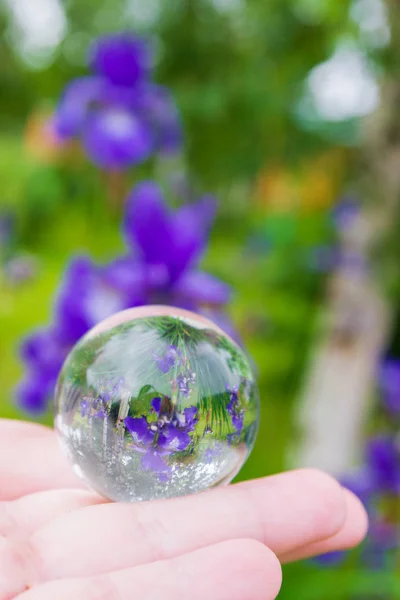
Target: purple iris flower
{"points": [[184, 382], [164, 250], [122, 59], [377, 480], [383, 459], [42, 350], [85, 298], [163, 114], [345, 212], [119, 115], [389, 380], [116, 138], [377, 484], [113, 133], [168, 247], [43, 353], [73, 108], [34, 391], [383, 538], [331, 559], [361, 484]]}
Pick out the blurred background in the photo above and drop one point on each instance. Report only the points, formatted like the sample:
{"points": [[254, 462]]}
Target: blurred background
{"points": [[288, 114]]}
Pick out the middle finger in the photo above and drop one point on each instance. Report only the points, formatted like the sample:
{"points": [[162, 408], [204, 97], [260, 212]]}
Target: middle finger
{"points": [[32, 512], [284, 512]]}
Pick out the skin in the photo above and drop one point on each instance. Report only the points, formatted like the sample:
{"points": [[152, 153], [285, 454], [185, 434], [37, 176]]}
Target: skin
{"points": [[60, 540]]}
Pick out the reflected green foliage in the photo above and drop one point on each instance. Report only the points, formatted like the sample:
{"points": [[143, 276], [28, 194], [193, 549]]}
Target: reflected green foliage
{"points": [[156, 407]]}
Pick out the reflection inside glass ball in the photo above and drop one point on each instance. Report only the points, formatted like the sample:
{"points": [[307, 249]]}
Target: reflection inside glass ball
{"points": [[156, 406]]}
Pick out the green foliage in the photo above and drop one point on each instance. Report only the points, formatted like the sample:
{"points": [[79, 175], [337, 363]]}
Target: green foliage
{"points": [[311, 582], [236, 73]]}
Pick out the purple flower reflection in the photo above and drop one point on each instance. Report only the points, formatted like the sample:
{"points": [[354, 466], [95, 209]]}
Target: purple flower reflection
{"points": [[139, 430], [191, 416], [172, 439], [166, 361], [156, 404], [233, 408], [152, 461], [211, 453], [184, 382], [85, 408], [101, 402], [157, 440]]}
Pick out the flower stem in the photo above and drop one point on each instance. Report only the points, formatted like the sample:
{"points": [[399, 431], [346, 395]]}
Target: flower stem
{"points": [[122, 414], [116, 189], [105, 431], [175, 387], [90, 427]]}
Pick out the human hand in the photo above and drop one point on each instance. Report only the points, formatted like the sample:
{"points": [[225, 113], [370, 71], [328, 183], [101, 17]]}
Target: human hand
{"points": [[59, 541]]}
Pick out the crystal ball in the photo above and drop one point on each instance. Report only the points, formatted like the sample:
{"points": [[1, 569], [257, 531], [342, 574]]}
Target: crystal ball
{"points": [[156, 402]]}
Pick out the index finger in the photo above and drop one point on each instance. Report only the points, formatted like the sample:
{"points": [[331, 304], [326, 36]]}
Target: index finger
{"points": [[31, 461], [284, 512]]}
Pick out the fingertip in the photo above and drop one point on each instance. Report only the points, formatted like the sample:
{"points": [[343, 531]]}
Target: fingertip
{"points": [[329, 506], [351, 534], [357, 522], [256, 570], [16, 427]]}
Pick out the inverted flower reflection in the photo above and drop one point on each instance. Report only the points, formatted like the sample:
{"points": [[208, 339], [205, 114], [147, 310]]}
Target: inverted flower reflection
{"points": [[167, 434]]}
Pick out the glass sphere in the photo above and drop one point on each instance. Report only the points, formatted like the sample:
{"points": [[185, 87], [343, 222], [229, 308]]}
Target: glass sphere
{"points": [[155, 403]]}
